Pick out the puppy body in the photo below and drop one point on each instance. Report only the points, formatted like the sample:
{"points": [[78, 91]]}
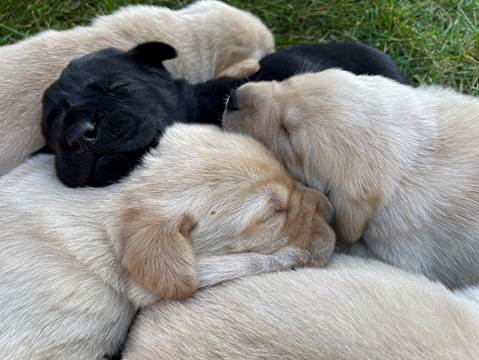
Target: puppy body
{"points": [[353, 309], [399, 163], [76, 264], [212, 39], [357, 58]]}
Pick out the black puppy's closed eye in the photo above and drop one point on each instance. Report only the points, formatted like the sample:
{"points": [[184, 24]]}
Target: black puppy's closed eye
{"points": [[116, 86]]}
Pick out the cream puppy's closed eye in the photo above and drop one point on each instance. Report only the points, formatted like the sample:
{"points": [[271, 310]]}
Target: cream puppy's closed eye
{"points": [[398, 163]]}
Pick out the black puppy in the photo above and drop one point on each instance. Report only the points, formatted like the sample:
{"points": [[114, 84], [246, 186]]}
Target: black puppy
{"points": [[359, 59], [109, 107]]}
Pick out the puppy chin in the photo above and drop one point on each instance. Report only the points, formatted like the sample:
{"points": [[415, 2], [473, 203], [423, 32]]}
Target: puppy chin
{"points": [[73, 168], [109, 169]]}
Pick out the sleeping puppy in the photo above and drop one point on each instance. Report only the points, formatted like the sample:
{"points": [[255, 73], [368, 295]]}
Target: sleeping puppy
{"points": [[357, 58], [109, 107], [399, 163], [205, 207], [213, 40], [354, 309]]}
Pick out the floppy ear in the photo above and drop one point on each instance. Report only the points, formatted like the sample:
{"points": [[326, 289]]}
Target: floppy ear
{"points": [[157, 253], [240, 70], [322, 235], [352, 215], [324, 207], [153, 53]]}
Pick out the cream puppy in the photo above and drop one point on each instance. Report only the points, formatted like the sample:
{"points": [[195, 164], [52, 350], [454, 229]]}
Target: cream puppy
{"points": [[399, 163], [205, 206], [212, 40], [355, 309]]}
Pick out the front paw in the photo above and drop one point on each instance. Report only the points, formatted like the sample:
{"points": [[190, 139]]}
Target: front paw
{"points": [[287, 259]]}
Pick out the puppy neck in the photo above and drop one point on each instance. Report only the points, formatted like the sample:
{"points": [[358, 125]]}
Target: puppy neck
{"points": [[211, 98], [186, 110]]}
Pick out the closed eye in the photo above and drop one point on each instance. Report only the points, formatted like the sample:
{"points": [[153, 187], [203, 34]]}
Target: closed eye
{"points": [[118, 86], [286, 132], [277, 210]]}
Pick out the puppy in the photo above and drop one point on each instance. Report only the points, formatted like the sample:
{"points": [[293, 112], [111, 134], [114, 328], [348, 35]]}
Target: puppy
{"points": [[399, 163], [205, 207], [109, 107], [354, 309], [213, 40], [357, 58]]}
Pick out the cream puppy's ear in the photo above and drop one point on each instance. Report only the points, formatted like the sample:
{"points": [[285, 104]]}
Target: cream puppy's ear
{"points": [[324, 207], [239, 70], [323, 236], [157, 253], [352, 215]]}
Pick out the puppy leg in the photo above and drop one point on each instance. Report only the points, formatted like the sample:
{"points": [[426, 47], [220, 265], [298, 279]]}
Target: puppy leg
{"points": [[212, 270]]}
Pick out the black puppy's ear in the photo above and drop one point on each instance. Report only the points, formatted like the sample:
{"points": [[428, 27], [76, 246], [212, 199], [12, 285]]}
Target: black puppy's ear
{"points": [[153, 53]]}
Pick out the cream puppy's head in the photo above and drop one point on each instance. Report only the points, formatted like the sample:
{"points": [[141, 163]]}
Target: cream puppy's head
{"points": [[205, 192], [240, 38], [319, 125]]}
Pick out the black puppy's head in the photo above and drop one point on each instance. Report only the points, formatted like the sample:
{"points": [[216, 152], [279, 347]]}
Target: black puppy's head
{"points": [[108, 108]]}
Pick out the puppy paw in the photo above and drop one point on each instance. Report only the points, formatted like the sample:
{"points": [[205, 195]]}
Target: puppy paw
{"points": [[288, 258]]}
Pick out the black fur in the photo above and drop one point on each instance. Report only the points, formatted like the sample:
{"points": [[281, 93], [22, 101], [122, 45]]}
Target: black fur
{"points": [[109, 107], [356, 58]]}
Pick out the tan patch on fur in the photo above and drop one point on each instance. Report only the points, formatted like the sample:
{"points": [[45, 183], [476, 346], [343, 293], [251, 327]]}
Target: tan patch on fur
{"points": [[156, 252], [352, 218]]}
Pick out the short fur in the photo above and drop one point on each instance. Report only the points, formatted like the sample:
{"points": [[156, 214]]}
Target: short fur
{"points": [[355, 309], [212, 40], [357, 58], [109, 107], [205, 207], [399, 163]]}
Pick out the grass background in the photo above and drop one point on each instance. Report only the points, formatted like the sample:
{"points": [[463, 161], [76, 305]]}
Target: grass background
{"points": [[433, 41]]}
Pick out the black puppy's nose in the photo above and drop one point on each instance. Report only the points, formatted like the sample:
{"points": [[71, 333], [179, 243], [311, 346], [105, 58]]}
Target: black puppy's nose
{"points": [[232, 102], [81, 135]]}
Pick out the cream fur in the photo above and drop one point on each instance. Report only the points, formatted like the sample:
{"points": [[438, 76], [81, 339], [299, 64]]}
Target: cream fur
{"points": [[205, 206], [399, 164], [212, 39], [355, 309]]}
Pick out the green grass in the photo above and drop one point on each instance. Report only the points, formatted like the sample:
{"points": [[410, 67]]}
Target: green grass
{"points": [[433, 41]]}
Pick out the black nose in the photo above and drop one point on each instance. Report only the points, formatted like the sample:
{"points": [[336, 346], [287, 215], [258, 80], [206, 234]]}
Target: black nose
{"points": [[232, 102], [80, 135]]}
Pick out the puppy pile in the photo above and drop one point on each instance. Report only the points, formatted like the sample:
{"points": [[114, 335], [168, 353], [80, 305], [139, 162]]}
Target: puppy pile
{"points": [[180, 151]]}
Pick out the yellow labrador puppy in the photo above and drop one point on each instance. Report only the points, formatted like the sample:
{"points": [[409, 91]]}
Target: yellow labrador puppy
{"points": [[400, 164], [212, 39], [355, 309], [205, 206]]}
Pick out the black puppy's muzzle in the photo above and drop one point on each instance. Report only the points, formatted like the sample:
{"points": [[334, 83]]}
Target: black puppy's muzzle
{"points": [[232, 104], [81, 135]]}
